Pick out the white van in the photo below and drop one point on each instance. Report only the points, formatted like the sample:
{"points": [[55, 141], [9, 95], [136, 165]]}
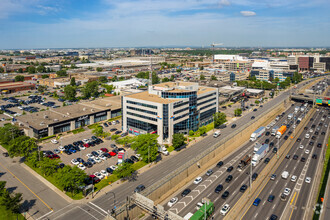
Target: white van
{"points": [[285, 174], [216, 134], [307, 135]]}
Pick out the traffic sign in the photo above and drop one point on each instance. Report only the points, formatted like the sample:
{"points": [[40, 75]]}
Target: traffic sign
{"points": [[319, 101]]}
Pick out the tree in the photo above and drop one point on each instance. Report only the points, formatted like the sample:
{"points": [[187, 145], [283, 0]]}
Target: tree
{"points": [[201, 68], [2, 70], [191, 133], [202, 77], [31, 69], [99, 69], [48, 166], [20, 70], [178, 140], [252, 78], [70, 93], [213, 77], [109, 88], [11, 201], [103, 79], [124, 170], [45, 76], [257, 102], [70, 178], [238, 112], [98, 131], [147, 146], [41, 69], [19, 78], [90, 89], [8, 132], [73, 81], [21, 146], [202, 130], [178, 70], [165, 79], [41, 89], [276, 79], [61, 73], [219, 119]]}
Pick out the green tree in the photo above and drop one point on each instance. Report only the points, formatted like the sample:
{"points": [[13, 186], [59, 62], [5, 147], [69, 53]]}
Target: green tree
{"points": [[19, 78], [257, 102], [219, 118], [20, 70], [178, 70], [276, 79], [103, 79], [8, 132], [48, 166], [109, 88], [143, 75], [73, 81], [31, 69], [202, 130], [21, 146], [201, 68], [238, 112], [1, 70], [191, 133], [202, 77], [61, 73], [178, 140], [172, 78], [90, 89], [41, 89], [70, 178], [165, 79], [45, 76], [41, 69], [99, 69], [252, 78], [11, 201], [147, 146], [213, 77], [73, 66], [124, 170], [98, 131], [70, 93]]}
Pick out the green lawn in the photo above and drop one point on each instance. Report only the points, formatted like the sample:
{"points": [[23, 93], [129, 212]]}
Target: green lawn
{"points": [[8, 215], [78, 130]]}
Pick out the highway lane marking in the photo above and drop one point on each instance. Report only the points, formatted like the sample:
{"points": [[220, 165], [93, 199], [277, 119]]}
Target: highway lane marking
{"points": [[62, 209], [293, 197], [65, 212], [274, 206], [45, 215], [293, 207], [98, 208], [88, 213], [26, 187]]}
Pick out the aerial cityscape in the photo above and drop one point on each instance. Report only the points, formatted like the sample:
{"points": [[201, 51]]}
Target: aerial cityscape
{"points": [[172, 110]]}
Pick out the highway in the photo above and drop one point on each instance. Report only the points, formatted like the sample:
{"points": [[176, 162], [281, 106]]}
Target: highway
{"points": [[98, 207], [207, 187], [299, 189]]}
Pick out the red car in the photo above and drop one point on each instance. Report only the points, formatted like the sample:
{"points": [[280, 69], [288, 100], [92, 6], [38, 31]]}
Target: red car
{"points": [[94, 179], [54, 156], [112, 154], [104, 150], [86, 145]]}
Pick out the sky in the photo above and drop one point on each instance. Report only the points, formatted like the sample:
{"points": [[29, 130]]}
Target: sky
{"points": [[28, 24]]}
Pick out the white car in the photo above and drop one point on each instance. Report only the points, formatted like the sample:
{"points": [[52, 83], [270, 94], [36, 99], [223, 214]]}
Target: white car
{"points": [[172, 201], [99, 152], [102, 157], [85, 141], [293, 178], [113, 167], [98, 175], [225, 209], [61, 148], [74, 162], [198, 180], [306, 151], [301, 146], [311, 130], [81, 147], [104, 173], [308, 180], [97, 160], [56, 151], [54, 141], [287, 191], [90, 156], [82, 167]]}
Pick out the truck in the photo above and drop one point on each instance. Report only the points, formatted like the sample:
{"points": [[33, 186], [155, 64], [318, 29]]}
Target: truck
{"points": [[216, 134], [204, 212], [244, 162], [290, 116], [281, 131], [261, 153], [274, 130], [257, 133], [256, 147], [302, 108]]}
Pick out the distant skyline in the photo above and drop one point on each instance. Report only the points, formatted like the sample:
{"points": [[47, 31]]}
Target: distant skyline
{"points": [[28, 24]]}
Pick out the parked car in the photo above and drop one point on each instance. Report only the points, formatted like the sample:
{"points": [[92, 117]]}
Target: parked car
{"points": [[139, 188]]}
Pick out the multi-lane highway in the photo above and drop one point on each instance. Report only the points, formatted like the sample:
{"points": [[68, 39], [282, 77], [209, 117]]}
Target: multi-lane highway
{"points": [[207, 187]]}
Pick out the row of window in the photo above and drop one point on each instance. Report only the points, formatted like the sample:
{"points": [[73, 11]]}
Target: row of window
{"points": [[141, 104], [207, 114], [141, 116], [209, 100], [181, 110], [141, 110], [214, 103], [181, 104], [179, 117], [203, 97], [145, 126]]}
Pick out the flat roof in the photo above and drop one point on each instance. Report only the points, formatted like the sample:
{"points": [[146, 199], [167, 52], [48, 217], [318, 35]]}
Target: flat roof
{"points": [[173, 84], [14, 85], [204, 89], [151, 98]]}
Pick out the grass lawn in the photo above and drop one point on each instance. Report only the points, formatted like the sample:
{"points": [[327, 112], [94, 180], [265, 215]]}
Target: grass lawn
{"points": [[93, 126], [170, 149], [8, 215], [78, 130]]}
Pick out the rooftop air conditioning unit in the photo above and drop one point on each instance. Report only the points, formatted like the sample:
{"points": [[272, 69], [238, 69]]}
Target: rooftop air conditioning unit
{"points": [[68, 113], [45, 116], [42, 123], [55, 119], [92, 110], [84, 109]]}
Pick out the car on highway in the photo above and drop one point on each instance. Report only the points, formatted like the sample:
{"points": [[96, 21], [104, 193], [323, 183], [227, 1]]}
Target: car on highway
{"points": [[287, 191], [293, 178], [305, 128], [287, 156], [220, 164], [273, 217], [322, 133], [243, 188], [198, 180], [229, 178], [271, 198], [308, 180], [314, 156], [303, 159], [286, 137], [233, 126], [209, 172], [253, 117], [275, 150], [172, 201], [267, 141], [185, 192], [225, 195], [267, 133], [301, 146], [139, 188], [254, 176], [273, 177], [256, 201], [225, 209], [306, 151], [295, 157], [266, 161], [229, 169], [271, 144], [319, 145], [311, 143], [218, 188], [255, 110], [298, 140]]}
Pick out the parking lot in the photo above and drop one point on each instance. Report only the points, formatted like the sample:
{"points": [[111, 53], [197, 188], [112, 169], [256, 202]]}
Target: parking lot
{"points": [[97, 167]]}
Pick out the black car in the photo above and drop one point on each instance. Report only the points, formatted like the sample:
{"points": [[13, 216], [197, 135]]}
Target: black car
{"points": [[311, 143], [124, 134], [113, 129], [118, 132], [295, 157], [225, 195], [113, 145], [271, 198], [109, 170], [273, 217], [287, 156], [94, 153], [305, 128], [267, 160], [229, 169], [267, 141], [80, 160], [218, 189], [67, 152], [243, 188], [322, 133], [139, 188], [275, 150], [298, 140], [288, 126], [88, 164], [319, 145], [61, 165], [267, 133], [254, 176], [303, 159], [185, 192], [271, 144], [255, 110], [107, 155], [134, 158], [313, 126], [314, 156], [220, 164], [105, 125], [229, 178], [286, 137], [129, 161], [290, 132], [253, 117], [233, 126], [316, 133]]}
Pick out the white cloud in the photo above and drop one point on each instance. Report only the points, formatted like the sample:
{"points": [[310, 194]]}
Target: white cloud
{"points": [[248, 13], [223, 3]]}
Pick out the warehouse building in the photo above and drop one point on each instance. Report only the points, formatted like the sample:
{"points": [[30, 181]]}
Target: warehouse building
{"points": [[169, 108], [16, 87]]}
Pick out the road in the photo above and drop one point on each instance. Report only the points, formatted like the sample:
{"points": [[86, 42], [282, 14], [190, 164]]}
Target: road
{"points": [[99, 206], [300, 190]]}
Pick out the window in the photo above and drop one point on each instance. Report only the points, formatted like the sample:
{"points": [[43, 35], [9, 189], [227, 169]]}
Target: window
{"points": [[142, 116], [214, 98], [203, 97], [207, 106], [141, 110], [181, 110], [141, 104]]}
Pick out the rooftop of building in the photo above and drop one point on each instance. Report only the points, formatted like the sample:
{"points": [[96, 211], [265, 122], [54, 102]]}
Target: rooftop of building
{"points": [[14, 85], [151, 98]]}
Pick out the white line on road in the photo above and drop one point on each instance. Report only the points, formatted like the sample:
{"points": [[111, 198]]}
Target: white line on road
{"points": [[98, 208], [273, 206], [88, 213], [45, 215]]}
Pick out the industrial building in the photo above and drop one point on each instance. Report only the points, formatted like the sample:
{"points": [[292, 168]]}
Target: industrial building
{"points": [[169, 108], [16, 87]]}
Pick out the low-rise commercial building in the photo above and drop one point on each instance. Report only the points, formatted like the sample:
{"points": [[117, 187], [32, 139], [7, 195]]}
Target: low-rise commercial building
{"points": [[16, 87], [169, 108]]}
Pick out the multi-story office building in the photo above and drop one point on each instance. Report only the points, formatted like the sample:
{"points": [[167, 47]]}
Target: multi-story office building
{"points": [[169, 108], [305, 63], [325, 60]]}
